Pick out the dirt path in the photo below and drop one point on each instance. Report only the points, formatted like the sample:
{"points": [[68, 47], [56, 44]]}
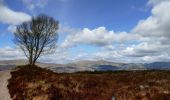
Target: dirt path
{"points": [[4, 76]]}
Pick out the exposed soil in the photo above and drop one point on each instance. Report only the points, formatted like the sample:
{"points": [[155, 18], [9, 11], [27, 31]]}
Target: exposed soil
{"points": [[4, 76]]}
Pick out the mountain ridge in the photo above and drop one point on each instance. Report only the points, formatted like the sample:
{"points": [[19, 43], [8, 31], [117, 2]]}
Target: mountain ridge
{"points": [[87, 65]]}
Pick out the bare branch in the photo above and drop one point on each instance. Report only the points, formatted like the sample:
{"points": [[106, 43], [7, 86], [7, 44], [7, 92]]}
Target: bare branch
{"points": [[37, 37]]}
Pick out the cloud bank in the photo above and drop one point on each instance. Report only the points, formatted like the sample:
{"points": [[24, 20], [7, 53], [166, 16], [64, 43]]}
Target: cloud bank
{"points": [[150, 37]]}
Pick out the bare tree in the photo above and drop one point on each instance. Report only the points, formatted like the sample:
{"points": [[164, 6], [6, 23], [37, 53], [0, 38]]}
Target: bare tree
{"points": [[37, 37]]}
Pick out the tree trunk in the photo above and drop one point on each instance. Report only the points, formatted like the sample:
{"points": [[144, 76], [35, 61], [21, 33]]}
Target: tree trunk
{"points": [[30, 61]]}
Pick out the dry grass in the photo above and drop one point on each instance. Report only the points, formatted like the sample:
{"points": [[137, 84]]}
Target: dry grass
{"points": [[34, 83]]}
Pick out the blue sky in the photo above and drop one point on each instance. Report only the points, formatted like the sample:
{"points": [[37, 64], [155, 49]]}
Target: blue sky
{"points": [[113, 14], [114, 30]]}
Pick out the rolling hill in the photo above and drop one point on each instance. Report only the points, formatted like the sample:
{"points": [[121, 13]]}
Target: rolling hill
{"points": [[86, 65]]}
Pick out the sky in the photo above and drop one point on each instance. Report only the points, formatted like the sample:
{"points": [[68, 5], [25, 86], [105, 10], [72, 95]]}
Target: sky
{"points": [[128, 31]]}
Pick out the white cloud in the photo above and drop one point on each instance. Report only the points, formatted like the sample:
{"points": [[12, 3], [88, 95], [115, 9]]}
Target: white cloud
{"points": [[151, 34], [155, 34], [155, 2], [157, 25], [146, 49], [9, 53], [67, 30], [8, 16], [33, 4], [11, 28], [97, 37]]}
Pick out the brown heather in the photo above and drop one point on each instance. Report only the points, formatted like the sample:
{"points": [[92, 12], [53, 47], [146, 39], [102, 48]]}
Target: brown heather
{"points": [[35, 83]]}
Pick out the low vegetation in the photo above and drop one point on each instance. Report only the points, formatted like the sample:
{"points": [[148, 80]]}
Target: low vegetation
{"points": [[34, 83]]}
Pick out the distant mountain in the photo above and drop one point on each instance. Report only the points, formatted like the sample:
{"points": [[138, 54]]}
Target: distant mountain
{"points": [[133, 66], [111, 66], [102, 65], [105, 68], [6, 67], [86, 65], [13, 62], [9, 64], [158, 66]]}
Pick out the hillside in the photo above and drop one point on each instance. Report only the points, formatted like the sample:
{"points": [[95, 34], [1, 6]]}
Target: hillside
{"points": [[86, 65], [35, 83]]}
